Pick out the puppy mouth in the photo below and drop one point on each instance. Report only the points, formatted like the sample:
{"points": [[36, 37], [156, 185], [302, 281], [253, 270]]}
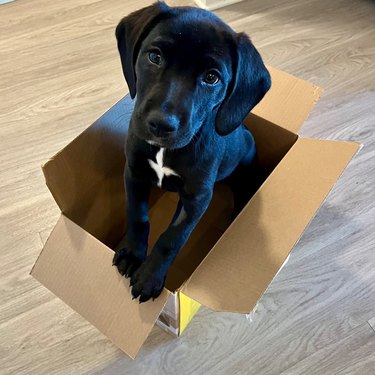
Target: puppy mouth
{"points": [[153, 142], [168, 142]]}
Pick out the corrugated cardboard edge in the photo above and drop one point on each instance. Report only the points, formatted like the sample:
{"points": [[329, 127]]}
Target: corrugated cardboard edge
{"points": [[289, 101], [77, 268], [240, 267]]}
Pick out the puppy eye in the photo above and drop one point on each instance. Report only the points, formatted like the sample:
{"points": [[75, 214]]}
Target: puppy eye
{"points": [[212, 77], [155, 57]]}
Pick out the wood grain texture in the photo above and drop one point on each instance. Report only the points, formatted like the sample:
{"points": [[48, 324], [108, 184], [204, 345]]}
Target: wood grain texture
{"points": [[371, 322], [59, 71], [352, 355]]}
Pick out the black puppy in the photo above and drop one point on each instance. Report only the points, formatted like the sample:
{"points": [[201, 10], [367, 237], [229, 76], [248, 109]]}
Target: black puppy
{"points": [[195, 80]]}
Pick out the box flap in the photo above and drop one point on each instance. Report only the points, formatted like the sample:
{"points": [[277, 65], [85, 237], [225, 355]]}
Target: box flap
{"points": [[78, 269], [86, 176], [289, 101], [241, 265]]}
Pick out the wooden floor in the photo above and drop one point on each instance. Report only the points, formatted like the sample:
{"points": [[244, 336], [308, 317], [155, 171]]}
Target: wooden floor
{"points": [[59, 71]]}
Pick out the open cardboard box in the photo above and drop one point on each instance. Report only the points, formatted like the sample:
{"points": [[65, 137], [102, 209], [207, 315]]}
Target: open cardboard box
{"points": [[226, 267]]}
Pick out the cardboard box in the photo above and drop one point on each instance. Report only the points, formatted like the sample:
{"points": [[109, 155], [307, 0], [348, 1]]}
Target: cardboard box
{"points": [[224, 267]]}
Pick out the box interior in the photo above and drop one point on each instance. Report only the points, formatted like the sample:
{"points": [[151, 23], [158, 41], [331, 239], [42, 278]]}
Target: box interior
{"points": [[91, 194], [86, 177]]}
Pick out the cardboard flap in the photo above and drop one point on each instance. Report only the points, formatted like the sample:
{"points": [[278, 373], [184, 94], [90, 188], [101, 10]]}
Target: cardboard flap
{"points": [[289, 101], [238, 269], [78, 269], [86, 177]]}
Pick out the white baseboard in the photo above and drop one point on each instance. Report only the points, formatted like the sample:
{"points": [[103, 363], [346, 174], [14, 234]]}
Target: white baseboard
{"points": [[215, 4]]}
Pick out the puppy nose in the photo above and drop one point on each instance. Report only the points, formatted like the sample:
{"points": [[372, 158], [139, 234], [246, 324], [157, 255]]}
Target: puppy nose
{"points": [[163, 125]]}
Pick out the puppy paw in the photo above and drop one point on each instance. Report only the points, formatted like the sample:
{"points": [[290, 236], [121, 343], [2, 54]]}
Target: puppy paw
{"points": [[126, 262], [146, 284]]}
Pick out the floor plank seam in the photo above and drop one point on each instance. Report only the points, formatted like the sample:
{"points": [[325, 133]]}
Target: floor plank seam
{"points": [[371, 324]]}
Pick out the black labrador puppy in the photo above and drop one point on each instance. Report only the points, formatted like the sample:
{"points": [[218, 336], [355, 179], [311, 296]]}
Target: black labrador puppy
{"points": [[194, 80]]}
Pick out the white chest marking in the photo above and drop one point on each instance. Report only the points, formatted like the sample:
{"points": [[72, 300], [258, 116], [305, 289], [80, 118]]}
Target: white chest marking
{"points": [[159, 167]]}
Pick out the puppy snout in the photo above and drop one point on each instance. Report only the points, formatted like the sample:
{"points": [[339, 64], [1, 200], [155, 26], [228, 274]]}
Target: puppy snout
{"points": [[163, 125]]}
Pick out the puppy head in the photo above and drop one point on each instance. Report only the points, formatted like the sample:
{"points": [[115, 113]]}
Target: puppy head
{"points": [[187, 69]]}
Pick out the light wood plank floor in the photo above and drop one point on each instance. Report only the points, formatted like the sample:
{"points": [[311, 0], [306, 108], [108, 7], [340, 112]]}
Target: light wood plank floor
{"points": [[59, 71]]}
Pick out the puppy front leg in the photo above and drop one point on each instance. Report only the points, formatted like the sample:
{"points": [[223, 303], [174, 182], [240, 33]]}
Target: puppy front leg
{"points": [[148, 280], [129, 258]]}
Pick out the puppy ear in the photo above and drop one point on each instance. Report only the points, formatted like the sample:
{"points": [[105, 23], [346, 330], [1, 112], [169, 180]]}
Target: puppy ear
{"points": [[130, 33], [250, 82]]}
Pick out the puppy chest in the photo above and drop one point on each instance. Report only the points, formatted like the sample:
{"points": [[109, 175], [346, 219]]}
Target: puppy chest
{"points": [[162, 175]]}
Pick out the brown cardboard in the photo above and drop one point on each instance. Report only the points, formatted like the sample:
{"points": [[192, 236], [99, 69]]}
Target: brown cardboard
{"points": [[86, 177], [78, 269], [243, 263], [226, 268], [289, 101]]}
